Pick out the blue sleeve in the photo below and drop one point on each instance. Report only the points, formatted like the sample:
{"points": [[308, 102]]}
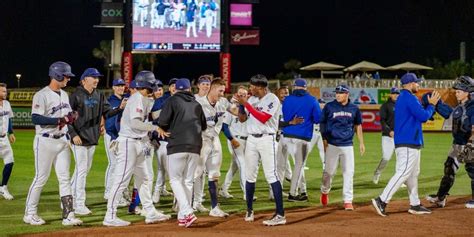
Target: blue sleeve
{"points": [[43, 120], [417, 110], [10, 126], [323, 123], [358, 117], [226, 130], [316, 112]]}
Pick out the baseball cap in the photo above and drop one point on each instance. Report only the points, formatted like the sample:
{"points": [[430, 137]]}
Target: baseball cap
{"points": [[159, 83], [118, 82], [91, 72], [342, 89], [394, 90], [409, 78], [300, 82], [172, 81], [204, 78], [133, 84], [183, 84]]}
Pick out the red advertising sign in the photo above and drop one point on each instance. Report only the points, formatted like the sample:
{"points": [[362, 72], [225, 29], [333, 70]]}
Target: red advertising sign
{"points": [[225, 70], [245, 37], [371, 120], [127, 67]]}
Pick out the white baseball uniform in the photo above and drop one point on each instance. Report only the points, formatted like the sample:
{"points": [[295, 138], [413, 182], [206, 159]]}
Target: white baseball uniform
{"points": [[51, 146], [239, 132], [133, 155], [211, 152], [6, 113]]}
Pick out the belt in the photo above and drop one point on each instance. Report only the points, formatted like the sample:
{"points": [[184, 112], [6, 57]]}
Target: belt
{"points": [[2, 136], [54, 136], [262, 134], [135, 138], [241, 137]]}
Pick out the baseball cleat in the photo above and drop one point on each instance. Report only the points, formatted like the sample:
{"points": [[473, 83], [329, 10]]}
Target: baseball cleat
{"points": [[249, 216], [189, 220], [348, 206], [200, 208], [33, 220], [71, 220], [156, 216], [156, 197], [303, 197], [82, 211], [165, 193], [324, 199], [435, 200], [115, 222], [379, 206], [217, 212], [225, 194], [470, 204], [376, 178], [419, 210], [275, 220], [5, 193]]}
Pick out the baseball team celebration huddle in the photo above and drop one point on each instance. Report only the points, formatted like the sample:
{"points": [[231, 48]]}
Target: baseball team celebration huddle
{"points": [[142, 123]]}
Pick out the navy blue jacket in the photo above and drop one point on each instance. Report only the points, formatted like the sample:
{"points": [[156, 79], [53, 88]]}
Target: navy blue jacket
{"points": [[409, 115], [158, 104], [338, 121], [112, 124], [301, 104]]}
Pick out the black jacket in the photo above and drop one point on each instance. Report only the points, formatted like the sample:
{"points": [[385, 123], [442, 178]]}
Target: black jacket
{"points": [[387, 117], [91, 107], [184, 118]]}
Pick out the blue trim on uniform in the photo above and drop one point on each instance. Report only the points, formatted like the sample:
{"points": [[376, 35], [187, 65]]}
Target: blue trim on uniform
{"points": [[109, 165], [226, 131], [10, 126], [76, 171], [37, 119]]}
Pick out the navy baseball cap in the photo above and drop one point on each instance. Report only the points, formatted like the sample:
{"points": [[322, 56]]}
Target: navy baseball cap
{"points": [[183, 84], [409, 78], [394, 90], [118, 82], [133, 84], [204, 78], [159, 83], [91, 72], [300, 82], [342, 89], [172, 81]]}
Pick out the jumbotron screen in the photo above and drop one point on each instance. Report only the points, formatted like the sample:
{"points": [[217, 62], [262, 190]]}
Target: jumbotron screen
{"points": [[176, 26]]}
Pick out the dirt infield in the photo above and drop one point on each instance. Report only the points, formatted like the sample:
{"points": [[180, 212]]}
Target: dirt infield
{"points": [[454, 220]]}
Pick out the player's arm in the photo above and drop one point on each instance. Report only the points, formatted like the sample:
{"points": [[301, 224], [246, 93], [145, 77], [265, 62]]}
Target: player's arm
{"points": [[358, 128], [316, 112], [38, 112], [384, 118], [11, 136], [323, 127], [110, 111], [420, 113]]}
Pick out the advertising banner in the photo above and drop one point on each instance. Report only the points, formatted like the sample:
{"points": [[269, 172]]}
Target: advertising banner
{"points": [[357, 95], [22, 117], [240, 14], [127, 67], [245, 37], [371, 120], [225, 70]]}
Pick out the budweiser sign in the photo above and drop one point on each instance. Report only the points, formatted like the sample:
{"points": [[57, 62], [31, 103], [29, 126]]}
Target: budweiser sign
{"points": [[245, 37]]}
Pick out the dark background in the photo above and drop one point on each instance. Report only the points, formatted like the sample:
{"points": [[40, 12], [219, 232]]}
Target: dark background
{"points": [[34, 33]]}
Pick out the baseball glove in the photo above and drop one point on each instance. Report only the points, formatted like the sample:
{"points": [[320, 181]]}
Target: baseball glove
{"points": [[467, 155], [68, 119]]}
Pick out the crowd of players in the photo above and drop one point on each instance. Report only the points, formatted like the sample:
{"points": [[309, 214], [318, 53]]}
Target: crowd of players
{"points": [[181, 131]]}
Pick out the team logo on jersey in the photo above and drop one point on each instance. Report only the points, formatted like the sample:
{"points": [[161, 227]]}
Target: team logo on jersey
{"points": [[59, 107], [258, 108], [4, 113], [90, 102], [341, 114], [270, 106]]}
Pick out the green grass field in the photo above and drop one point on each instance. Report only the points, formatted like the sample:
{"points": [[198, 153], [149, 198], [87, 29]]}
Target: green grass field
{"points": [[11, 212]]}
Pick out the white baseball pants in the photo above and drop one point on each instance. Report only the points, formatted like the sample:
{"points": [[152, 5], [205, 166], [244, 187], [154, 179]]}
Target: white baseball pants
{"points": [[83, 156], [264, 149], [237, 164], [344, 154], [388, 147]]}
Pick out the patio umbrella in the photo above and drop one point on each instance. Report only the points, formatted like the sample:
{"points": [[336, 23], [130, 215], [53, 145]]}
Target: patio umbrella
{"points": [[409, 66], [323, 66], [364, 66]]}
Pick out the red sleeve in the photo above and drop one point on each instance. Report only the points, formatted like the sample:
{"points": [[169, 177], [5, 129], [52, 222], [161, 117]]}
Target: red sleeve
{"points": [[260, 116]]}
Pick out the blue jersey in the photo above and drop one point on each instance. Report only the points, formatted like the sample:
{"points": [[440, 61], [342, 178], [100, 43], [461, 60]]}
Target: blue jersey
{"points": [[338, 121], [190, 12], [409, 115], [301, 104], [158, 104], [112, 124]]}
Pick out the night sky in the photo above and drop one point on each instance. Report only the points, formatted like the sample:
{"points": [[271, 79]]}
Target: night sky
{"points": [[33, 34]]}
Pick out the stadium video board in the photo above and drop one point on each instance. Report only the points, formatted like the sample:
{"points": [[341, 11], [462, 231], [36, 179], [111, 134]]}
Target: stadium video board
{"points": [[176, 26]]}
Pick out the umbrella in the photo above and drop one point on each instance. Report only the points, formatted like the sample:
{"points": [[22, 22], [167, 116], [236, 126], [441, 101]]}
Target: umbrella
{"points": [[409, 66], [323, 66], [364, 66]]}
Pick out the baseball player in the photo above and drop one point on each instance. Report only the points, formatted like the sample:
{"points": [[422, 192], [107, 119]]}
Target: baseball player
{"points": [[463, 137], [85, 132], [184, 119], [236, 134], [297, 137], [6, 152], [261, 113], [143, 11], [112, 126], [408, 138], [51, 113], [203, 85], [133, 150], [387, 118], [214, 107], [160, 185], [340, 119], [191, 10], [317, 139]]}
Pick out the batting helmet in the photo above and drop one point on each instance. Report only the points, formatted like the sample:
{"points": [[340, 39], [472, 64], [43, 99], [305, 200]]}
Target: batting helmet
{"points": [[259, 80], [59, 69], [464, 83], [146, 79]]}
